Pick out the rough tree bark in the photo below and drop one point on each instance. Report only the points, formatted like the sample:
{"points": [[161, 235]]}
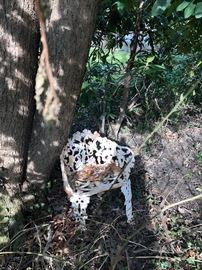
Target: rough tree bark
{"points": [[19, 40], [70, 25], [69, 31]]}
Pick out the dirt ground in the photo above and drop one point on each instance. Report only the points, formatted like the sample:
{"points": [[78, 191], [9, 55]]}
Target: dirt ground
{"points": [[168, 170], [173, 170]]}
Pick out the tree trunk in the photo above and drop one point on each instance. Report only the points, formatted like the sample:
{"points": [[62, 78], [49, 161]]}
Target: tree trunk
{"points": [[19, 39], [70, 27], [69, 30]]}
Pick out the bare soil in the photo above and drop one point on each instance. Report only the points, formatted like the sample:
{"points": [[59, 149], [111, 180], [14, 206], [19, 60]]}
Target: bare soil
{"points": [[168, 170]]}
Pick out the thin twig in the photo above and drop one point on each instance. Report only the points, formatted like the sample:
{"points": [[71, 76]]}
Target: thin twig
{"points": [[195, 226], [105, 259], [128, 77], [38, 238], [92, 259], [198, 197], [126, 241], [121, 248], [155, 257], [128, 260], [49, 239], [174, 109], [33, 254], [19, 234], [163, 258], [51, 96]]}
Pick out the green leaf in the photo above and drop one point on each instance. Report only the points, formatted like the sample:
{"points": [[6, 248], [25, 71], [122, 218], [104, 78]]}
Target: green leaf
{"points": [[150, 59], [189, 10], [191, 260], [181, 97], [182, 6], [199, 189], [120, 6], [199, 156], [159, 7], [159, 67], [172, 8], [85, 85], [199, 64], [191, 74], [198, 10]]}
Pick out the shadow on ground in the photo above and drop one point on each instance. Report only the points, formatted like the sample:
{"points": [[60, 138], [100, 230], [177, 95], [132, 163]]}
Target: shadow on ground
{"points": [[168, 171]]}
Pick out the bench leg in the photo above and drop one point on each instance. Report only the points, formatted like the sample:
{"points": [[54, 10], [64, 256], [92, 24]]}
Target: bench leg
{"points": [[79, 206], [126, 190]]}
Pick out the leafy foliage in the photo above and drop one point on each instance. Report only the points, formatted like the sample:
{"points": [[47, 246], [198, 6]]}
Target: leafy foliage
{"points": [[189, 8], [160, 6], [167, 60], [101, 89]]}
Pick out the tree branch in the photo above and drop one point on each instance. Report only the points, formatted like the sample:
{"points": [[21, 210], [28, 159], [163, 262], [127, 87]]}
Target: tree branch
{"points": [[126, 83], [50, 110], [198, 197]]}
